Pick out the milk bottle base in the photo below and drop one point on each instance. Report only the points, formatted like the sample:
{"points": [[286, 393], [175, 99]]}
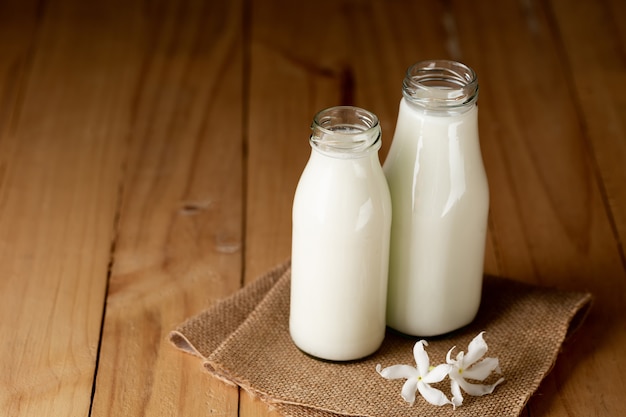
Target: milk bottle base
{"points": [[338, 352], [427, 331]]}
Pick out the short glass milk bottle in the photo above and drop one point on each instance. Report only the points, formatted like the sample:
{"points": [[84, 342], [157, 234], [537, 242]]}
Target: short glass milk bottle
{"points": [[440, 201], [340, 242]]}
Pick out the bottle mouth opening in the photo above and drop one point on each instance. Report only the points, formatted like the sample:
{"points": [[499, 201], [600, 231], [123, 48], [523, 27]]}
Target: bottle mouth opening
{"points": [[345, 130], [440, 85]]}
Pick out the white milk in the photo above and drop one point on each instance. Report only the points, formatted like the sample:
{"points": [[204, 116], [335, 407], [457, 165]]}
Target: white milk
{"points": [[440, 204], [340, 247]]}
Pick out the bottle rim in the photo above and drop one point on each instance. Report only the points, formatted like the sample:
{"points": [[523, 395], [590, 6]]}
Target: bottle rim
{"points": [[441, 85], [345, 131]]}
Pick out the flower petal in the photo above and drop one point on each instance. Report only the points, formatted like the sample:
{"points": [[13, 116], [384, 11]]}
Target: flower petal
{"points": [[437, 374], [475, 350], [432, 395], [408, 390], [449, 356], [477, 390], [397, 372], [457, 397], [482, 369], [421, 357]]}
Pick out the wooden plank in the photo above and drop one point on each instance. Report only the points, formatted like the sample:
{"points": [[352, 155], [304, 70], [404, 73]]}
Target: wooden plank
{"points": [[598, 81], [61, 131], [285, 91], [179, 239], [592, 39]]}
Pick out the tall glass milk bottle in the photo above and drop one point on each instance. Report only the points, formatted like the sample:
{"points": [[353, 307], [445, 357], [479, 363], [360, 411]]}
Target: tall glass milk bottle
{"points": [[340, 242], [440, 202]]}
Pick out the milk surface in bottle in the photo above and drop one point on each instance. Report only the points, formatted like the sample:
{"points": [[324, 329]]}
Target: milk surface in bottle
{"points": [[440, 202], [340, 242]]}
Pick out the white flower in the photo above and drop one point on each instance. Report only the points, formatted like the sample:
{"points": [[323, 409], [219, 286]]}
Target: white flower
{"points": [[468, 367], [419, 378], [464, 367]]}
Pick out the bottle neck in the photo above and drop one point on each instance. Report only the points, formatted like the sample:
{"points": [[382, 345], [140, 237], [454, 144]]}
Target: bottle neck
{"points": [[441, 87], [345, 132]]}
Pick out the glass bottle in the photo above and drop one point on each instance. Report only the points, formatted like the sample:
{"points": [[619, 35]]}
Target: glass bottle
{"points": [[340, 241], [440, 200]]}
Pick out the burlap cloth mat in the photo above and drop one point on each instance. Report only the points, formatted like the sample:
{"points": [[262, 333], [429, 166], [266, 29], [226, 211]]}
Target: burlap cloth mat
{"points": [[244, 340]]}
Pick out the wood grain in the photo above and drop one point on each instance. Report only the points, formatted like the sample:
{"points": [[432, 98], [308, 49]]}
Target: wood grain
{"points": [[149, 151], [59, 176], [179, 239], [599, 91]]}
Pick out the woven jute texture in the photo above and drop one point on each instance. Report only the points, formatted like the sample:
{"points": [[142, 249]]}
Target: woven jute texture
{"points": [[244, 340]]}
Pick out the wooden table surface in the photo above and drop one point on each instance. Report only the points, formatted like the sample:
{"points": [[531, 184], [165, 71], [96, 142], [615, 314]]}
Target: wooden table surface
{"points": [[149, 151]]}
